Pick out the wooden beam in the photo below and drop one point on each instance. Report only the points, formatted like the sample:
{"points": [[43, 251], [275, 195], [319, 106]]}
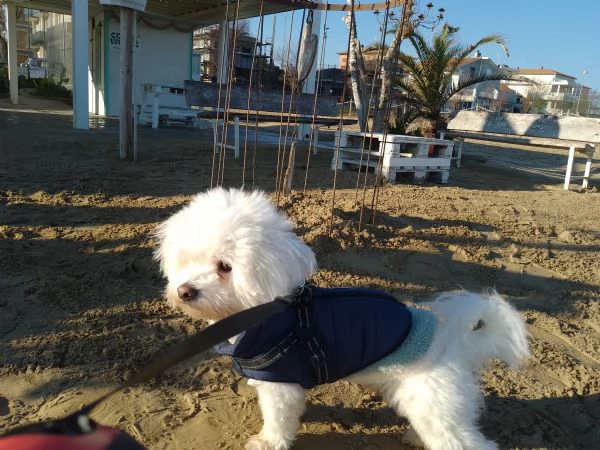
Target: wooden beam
{"points": [[307, 4], [81, 64], [588, 169], [198, 93], [569, 167], [289, 172], [126, 135], [582, 147]]}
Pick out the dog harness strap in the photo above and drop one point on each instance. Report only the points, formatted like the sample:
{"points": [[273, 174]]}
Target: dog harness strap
{"points": [[266, 359], [318, 360], [317, 354], [304, 298], [303, 332], [325, 335]]}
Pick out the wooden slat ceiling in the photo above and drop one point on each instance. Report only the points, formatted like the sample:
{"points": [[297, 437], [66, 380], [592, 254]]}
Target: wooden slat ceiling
{"points": [[197, 12], [207, 12]]}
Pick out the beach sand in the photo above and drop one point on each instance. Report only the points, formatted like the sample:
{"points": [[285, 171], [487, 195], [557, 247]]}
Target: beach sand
{"points": [[81, 304]]}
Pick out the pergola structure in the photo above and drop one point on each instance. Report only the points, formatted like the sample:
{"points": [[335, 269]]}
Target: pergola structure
{"points": [[191, 12], [194, 13]]}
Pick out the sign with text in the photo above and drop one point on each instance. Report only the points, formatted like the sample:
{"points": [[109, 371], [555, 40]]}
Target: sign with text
{"points": [[115, 41]]}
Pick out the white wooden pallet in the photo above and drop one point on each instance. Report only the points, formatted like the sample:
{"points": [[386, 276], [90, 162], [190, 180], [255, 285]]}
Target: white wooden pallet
{"points": [[401, 154], [168, 115], [440, 174]]}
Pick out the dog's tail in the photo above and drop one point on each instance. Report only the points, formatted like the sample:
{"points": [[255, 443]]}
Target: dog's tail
{"points": [[483, 326]]}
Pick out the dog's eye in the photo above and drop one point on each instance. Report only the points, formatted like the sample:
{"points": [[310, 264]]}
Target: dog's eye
{"points": [[223, 267]]}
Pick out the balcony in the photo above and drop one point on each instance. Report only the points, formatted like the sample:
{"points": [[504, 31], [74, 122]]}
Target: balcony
{"points": [[470, 94], [559, 96], [37, 37]]}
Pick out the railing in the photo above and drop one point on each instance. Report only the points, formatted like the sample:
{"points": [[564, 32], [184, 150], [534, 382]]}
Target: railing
{"points": [[37, 37], [559, 96]]}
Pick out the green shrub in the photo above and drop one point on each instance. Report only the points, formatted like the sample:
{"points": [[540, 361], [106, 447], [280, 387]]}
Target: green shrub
{"points": [[48, 87], [401, 120], [4, 89], [25, 82]]}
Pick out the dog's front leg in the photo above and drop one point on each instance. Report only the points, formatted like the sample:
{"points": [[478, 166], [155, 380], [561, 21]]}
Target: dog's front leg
{"points": [[281, 404]]}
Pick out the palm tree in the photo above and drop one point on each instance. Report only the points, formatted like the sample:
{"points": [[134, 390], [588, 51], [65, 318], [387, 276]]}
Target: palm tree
{"points": [[430, 84]]}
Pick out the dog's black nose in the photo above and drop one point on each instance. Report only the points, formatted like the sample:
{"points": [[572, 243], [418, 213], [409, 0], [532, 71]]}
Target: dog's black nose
{"points": [[187, 293]]}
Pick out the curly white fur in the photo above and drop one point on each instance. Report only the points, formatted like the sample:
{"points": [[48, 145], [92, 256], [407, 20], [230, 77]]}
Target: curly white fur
{"points": [[229, 250]]}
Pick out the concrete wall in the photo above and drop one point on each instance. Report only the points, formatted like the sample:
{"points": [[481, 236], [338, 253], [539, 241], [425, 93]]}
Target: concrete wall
{"points": [[51, 38], [533, 125], [160, 56]]}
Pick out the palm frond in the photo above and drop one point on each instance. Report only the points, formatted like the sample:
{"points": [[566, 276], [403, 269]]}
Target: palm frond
{"points": [[432, 70]]}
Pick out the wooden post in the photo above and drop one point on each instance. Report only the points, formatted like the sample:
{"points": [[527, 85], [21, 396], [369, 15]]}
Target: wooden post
{"points": [[569, 166], [81, 64], [588, 167], [126, 135], [135, 133], [223, 53], [215, 127], [289, 173], [236, 137], [458, 157], [155, 106]]}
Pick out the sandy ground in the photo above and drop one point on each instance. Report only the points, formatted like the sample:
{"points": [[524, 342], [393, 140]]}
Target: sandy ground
{"points": [[81, 306]]}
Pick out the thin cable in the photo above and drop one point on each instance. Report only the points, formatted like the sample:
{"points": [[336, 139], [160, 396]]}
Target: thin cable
{"points": [[386, 119], [295, 90], [260, 73], [220, 80], [321, 62], [375, 79], [261, 18], [384, 137], [340, 125], [285, 72], [229, 86]]}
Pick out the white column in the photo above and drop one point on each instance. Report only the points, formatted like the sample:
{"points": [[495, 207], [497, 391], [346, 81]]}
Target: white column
{"points": [[13, 70], [223, 53], [79, 11]]}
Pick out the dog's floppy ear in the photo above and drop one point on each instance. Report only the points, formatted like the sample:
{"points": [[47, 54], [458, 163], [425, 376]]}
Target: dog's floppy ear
{"points": [[301, 258], [160, 234], [278, 266]]}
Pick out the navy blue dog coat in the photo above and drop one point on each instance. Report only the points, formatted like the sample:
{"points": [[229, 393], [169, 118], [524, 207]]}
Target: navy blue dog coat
{"points": [[326, 335]]}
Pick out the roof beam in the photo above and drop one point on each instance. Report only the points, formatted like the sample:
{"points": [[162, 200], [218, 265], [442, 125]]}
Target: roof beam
{"points": [[55, 7], [301, 4]]}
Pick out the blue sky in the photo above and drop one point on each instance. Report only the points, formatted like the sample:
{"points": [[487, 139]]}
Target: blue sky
{"points": [[556, 35]]}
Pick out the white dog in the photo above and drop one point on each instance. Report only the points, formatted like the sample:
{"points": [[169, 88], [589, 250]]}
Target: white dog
{"points": [[229, 250]]}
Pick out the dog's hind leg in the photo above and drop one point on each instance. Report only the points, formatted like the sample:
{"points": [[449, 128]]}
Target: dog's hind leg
{"points": [[442, 406], [281, 405]]}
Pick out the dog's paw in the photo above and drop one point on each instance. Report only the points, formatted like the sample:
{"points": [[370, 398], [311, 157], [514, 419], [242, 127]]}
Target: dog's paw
{"points": [[412, 438], [259, 442]]}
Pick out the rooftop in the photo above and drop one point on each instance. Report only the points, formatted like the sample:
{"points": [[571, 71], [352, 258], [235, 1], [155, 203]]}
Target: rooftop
{"points": [[542, 71]]}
